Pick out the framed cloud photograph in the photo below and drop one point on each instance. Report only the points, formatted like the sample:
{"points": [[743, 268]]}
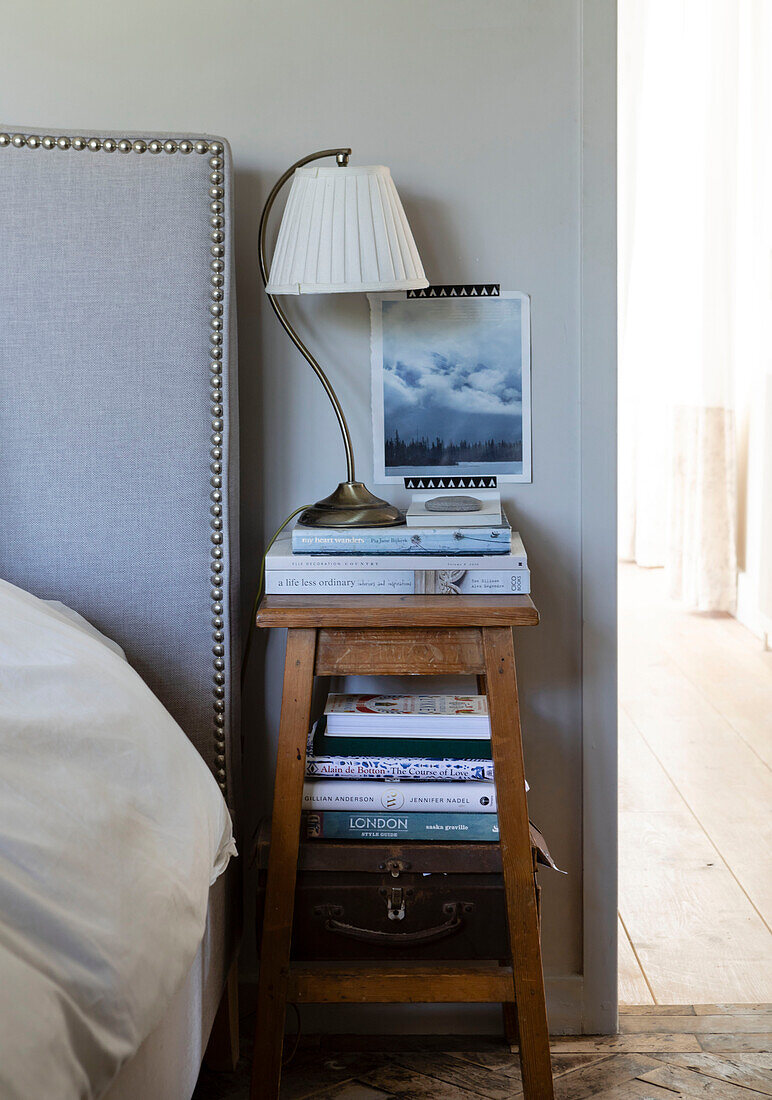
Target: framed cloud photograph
{"points": [[451, 379]]}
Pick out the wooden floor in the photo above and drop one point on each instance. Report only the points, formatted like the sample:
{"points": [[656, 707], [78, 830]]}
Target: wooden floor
{"points": [[695, 849], [718, 1052]]}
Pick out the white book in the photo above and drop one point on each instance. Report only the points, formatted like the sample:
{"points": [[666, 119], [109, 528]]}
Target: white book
{"points": [[443, 716], [407, 796], [398, 582], [489, 515], [280, 556]]}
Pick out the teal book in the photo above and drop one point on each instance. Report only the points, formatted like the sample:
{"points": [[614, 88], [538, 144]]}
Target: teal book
{"points": [[347, 825]]}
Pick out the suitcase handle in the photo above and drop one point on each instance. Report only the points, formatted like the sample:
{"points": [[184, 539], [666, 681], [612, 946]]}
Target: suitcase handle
{"points": [[404, 939]]}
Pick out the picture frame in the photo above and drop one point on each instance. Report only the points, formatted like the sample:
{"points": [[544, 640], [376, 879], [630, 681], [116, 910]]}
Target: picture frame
{"points": [[451, 385]]}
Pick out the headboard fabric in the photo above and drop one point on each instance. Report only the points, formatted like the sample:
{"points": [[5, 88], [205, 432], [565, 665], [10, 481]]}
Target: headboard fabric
{"points": [[118, 423]]}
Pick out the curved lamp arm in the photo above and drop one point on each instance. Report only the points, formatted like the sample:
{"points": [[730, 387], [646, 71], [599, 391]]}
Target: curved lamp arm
{"points": [[341, 155]]}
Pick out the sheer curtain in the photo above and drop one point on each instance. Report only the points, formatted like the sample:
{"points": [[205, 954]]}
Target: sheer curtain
{"points": [[690, 123]]}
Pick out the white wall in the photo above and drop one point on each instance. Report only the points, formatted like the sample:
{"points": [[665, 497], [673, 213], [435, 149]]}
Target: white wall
{"points": [[476, 106], [754, 462]]}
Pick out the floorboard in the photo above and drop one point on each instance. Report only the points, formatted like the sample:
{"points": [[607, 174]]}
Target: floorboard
{"points": [[695, 742], [398, 1080], [459, 1072], [733, 1070], [632, 982], [636, 1090], [675, 1042], [696, 1025], [689, 1083], [737, 1043]]}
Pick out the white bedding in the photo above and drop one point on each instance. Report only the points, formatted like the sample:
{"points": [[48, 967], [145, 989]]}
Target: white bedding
{"points": [[112, 829]]}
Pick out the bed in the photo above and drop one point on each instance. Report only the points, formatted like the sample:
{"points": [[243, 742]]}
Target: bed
{"points": [[119, 434]]}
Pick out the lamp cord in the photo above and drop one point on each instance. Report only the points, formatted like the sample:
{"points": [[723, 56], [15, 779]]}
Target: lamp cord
{"points": [[286, 1061], [261, 582]]}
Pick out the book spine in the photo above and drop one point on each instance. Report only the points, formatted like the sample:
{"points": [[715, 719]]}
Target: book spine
{"points": [[428, 748], [365, 582], [327, 562], [400, 540], [393, 767], [369, 708], [341, 825], [405, 797], [472, 519]]}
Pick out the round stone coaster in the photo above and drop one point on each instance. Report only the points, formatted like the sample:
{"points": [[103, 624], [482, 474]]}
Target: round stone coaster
{"points": [[453, 504]]}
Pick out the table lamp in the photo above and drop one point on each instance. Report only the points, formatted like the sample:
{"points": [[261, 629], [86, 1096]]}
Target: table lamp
{"points": [[343, 231]]}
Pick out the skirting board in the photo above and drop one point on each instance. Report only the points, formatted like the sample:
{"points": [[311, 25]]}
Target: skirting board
{"points": [[564, 1007], [748, 611]]}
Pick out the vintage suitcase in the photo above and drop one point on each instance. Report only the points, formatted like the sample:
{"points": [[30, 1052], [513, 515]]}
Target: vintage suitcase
{"points": [[378, 901]]}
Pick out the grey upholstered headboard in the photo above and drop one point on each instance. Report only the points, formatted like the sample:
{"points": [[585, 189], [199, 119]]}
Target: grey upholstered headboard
{"points": [[118, 418]]}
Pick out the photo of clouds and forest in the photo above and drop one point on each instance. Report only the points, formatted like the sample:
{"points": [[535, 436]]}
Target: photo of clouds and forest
{"points": [[453, 386]]}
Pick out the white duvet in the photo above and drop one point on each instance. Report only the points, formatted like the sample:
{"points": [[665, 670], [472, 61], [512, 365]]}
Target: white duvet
{"points": [[112, 829]]}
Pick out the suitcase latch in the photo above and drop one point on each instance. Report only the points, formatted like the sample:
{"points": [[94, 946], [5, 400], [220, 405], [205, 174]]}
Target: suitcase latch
{"points": [[395, 903], [394, 867]]}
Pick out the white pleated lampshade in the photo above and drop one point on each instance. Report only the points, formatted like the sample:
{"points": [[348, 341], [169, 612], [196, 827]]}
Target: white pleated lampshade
{"points": [[344, 230]]}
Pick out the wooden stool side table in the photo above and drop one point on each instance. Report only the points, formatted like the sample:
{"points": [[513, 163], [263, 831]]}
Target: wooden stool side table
{"points": [[393, 635]]}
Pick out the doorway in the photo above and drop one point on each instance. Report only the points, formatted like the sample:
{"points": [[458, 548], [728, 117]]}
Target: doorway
{"points": [[695, 502]]}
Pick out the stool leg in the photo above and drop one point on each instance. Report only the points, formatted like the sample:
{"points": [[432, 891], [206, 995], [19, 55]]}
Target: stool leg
{"points": [[282, 863], [509, 1008], [507, 746], [511, 1027]]}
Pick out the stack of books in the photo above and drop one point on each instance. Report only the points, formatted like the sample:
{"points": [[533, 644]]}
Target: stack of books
{"points": [[445, 553], [401, 767]]}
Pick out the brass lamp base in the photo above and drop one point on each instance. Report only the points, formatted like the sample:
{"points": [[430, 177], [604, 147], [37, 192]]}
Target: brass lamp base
{"points": [[352, 505]]}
